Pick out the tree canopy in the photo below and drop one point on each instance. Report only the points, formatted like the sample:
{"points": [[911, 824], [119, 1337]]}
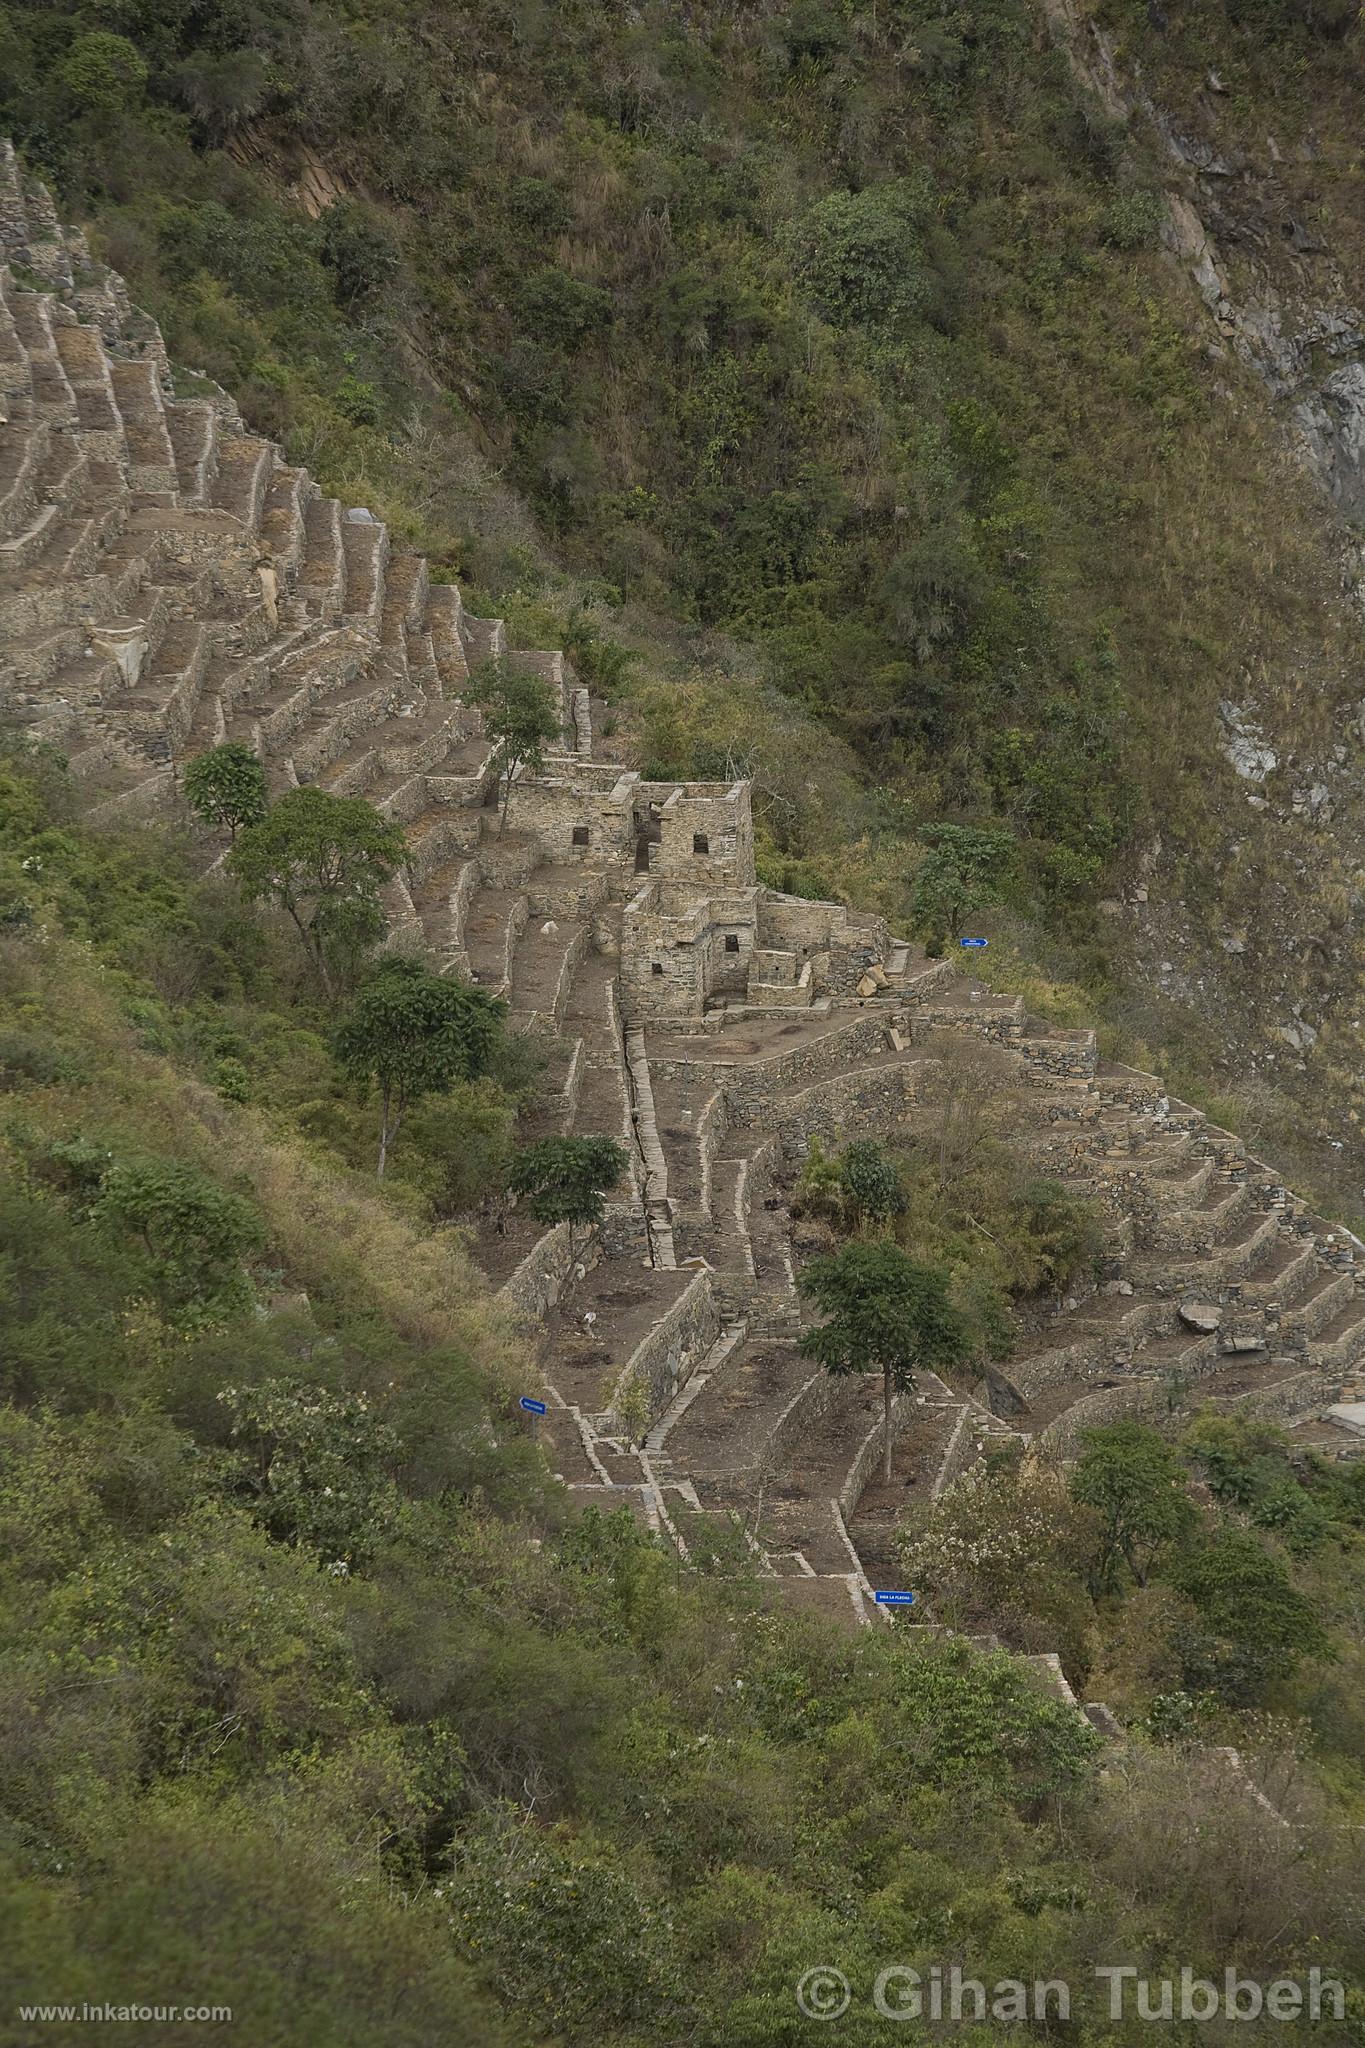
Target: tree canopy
{"points": [[413, 1033], [226, 786], [1136, 1484], [322, 859], [520, 713], [1257, 1624], [962, 873], [566, 1180], [884, 1313]]}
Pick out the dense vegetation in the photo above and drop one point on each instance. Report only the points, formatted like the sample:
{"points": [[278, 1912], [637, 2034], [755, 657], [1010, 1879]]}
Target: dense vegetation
{"points": [[1174, 1579], [813, 375], [320, 1703], [957, 1191]]}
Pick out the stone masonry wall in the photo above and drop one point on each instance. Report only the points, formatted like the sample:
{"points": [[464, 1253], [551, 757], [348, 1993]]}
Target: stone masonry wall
{"points": [[664, 1358], [552, 810], [846, 1106], [538, 1281], [707, 836]]}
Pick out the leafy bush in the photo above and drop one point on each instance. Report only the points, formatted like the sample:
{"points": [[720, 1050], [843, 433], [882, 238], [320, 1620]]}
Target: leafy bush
{"points": [[362, 251], [560, 311], [226, 786], [103, 72], [316, 1463], [1007, 1550], [1133, 220], [861, 254], [193, 1234], [1257, 1625]]}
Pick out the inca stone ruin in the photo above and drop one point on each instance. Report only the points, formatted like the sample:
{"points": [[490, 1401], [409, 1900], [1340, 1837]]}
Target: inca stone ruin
{"points": [[167, 581]]}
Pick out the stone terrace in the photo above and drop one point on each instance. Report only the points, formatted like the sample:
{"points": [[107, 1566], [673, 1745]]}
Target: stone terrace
{"points": [[167, 580]]}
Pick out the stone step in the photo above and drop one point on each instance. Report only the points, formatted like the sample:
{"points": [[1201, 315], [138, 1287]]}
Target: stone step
{"points": [[482, 639], [193, 430], [492, 924], [365, 545], [242, 478]]}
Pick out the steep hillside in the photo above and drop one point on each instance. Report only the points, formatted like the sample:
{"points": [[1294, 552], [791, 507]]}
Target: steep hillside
{"points": [[329, 1701], [853, 355]]}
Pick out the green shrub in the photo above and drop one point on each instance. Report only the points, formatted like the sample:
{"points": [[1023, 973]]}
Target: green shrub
{"points": [[1133, 220], [192, 1233], [560, 311], [362, 251], [103, 72], [860, 255], [1257, 1625]]}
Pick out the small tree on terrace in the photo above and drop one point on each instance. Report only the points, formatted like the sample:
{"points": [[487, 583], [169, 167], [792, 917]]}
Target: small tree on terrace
{"points": [[415, 1033], [885, 1313], [226, 786], [323, 860], [961, 874], [567, 1180], [520, 713], [872, 1183]]}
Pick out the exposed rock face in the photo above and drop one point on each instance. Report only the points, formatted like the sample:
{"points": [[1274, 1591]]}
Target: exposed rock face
{"points": [[1332, 422], [1245, 745], [1280, 303], [1257, 934]]}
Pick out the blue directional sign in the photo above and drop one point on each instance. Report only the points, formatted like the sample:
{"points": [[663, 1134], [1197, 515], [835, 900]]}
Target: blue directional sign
{"points": [[532, 1407], [894, 1599], [973, 942]]}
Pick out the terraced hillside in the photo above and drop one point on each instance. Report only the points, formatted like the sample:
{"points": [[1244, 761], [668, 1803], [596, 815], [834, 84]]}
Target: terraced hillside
{"points": [[167, 580]]}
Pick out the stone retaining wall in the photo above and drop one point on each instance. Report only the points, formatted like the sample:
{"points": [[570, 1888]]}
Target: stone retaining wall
{"points": [[664, 1358], [845, 1106], [538, 1281], [752, 1085], [870, 1450]]}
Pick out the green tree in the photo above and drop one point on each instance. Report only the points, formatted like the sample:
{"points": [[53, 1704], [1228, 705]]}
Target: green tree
{"points": [[520, 712], [885, 1314], [960, 875], [103, 72], [194, 1233], [566, 1180], [1135, 1483], [415, 1033], [322, 860], [226, 786], [1055, 1233], [559, 310], [860, 1188], [872, 1182], [361, 250], [317, 1464], [222, 90], [860, 254], [1258, 1624]]}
